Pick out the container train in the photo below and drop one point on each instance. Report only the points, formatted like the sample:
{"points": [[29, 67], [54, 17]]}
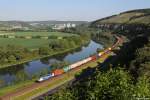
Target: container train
{"points": [[65, 69]]}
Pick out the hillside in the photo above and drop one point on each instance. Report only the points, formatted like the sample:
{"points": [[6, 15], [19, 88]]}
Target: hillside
{"points": [[29, 25], [57, 22], [123, 76], [140, 16], [14, 24]]}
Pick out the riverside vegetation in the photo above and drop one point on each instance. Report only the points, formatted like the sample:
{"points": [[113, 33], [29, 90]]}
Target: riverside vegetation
{"points": [[12, 54]]}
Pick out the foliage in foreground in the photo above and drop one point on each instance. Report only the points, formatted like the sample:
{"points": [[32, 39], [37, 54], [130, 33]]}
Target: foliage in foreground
{"points": [[115, 84]]}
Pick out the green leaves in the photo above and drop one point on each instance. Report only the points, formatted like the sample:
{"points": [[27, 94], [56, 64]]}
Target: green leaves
{"points": [[142, 88], [115, 84]]}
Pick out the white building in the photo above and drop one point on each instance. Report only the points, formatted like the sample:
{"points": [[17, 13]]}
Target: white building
{"points": [[68, 25], [73, 25], [62, 26]]}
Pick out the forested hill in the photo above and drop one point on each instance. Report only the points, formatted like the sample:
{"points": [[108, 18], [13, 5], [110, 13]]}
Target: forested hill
{"points": [[130, 23], [140, 16], [128, 74]]}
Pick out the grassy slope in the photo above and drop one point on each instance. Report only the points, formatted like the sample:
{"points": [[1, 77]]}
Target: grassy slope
{"points": [[143, 20], [131, 17]]}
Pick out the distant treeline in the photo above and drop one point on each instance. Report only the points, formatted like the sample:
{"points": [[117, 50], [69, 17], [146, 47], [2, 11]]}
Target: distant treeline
{"points": [[33, 37]]}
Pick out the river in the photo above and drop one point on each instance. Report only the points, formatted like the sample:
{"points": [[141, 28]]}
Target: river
{"points": [[10, 75]]}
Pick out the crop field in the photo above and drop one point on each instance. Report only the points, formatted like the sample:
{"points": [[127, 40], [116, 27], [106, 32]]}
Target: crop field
{"points": [[29, 43], [37, 34]]}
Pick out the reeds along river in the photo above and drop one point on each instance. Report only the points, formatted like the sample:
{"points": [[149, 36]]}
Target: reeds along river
{"points": [[27, 71]]}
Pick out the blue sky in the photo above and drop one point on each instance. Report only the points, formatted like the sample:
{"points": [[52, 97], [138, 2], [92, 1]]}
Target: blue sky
{"points": [[66, 9]]}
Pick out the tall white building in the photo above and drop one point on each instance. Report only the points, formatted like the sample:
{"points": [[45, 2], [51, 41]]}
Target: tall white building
{"points": [[62, 26]]}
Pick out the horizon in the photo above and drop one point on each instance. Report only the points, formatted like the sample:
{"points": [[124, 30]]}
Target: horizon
{"points": [[65, 10]]}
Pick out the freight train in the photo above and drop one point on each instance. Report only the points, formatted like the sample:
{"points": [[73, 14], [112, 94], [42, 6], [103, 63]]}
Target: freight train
{"points": [[65, 69]]}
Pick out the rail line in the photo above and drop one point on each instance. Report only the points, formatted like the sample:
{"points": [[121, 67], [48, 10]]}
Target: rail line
{"points": [[119, 41], [56, 74]]}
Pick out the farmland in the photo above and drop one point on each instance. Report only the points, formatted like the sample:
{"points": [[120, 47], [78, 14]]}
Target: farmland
{"points": [[36, 34], [30, 43]]}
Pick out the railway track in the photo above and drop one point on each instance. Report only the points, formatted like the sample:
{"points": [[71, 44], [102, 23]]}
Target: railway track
{"points": [[30, 88], [41, 97]]}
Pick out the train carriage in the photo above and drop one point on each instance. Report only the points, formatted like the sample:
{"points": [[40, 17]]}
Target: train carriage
{"points": [[66, 68]]}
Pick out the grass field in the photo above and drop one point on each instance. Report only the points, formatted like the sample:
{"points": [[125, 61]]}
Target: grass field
{"points": [[37, 34], [29, 43]]}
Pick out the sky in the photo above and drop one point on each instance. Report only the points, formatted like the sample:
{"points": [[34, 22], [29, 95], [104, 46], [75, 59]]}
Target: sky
{"points": [[86, 10]]}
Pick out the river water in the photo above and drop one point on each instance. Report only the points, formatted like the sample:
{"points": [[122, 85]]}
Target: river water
{"points": [[10, 75]]}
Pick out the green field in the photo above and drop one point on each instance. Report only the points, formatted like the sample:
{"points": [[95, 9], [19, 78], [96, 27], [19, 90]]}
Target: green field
{"points": [[37, 34], [30, 43]]}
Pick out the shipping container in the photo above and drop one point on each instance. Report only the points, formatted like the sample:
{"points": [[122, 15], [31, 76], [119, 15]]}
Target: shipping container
{"points": [[58, 72], [66, 69], [73, 66], [76, 64], [94, 57], [79, 63]]}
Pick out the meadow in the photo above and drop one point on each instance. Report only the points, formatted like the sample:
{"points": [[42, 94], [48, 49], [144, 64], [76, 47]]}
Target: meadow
{"points": [[31, 43], [28, 43], [61, 34]]}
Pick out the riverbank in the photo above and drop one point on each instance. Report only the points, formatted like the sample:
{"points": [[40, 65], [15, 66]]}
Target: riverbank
{"points": [[15, 86], [43, 87], [41, 57]]}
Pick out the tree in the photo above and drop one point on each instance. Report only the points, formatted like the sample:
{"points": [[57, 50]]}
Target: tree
{"points": [[11, 58], [142, 88], [62, 95], [44, 51], [114, 84]]}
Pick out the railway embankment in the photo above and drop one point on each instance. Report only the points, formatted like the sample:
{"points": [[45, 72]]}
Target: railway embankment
{"points": [[36, 89]]}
